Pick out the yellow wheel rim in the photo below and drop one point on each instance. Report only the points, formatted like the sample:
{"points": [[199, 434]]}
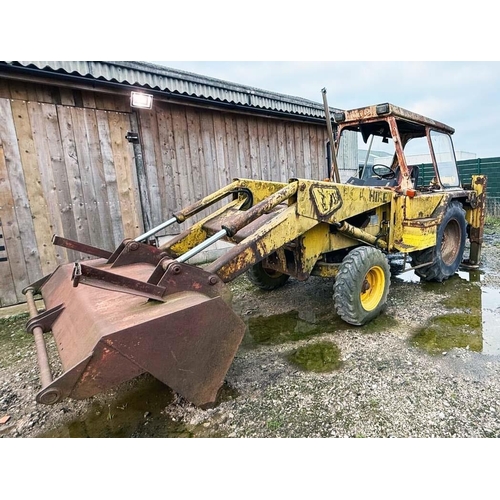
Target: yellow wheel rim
{"points": [[372, 289]]}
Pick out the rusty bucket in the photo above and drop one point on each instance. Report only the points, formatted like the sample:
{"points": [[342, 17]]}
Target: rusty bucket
{"points": [[162, 317]]}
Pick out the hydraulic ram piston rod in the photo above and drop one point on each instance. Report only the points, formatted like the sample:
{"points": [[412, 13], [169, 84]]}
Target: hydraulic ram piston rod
{"points": [[153, 231], [199, 248], [193, 209]]}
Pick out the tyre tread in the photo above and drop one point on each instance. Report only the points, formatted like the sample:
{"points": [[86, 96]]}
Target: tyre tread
{"points": [[346, 294], [435, 272]]}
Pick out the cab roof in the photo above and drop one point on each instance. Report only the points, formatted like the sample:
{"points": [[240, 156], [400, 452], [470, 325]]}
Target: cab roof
{"points": [[369, 113]]}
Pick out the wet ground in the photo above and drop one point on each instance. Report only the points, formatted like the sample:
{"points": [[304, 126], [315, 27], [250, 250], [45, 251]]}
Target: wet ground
{"points": [[291, 333], [474, 318]]}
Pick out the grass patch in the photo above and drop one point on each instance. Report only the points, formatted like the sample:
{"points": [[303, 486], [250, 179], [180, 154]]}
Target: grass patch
{"points": [[274, 424], [319, 357], [492, 224]]}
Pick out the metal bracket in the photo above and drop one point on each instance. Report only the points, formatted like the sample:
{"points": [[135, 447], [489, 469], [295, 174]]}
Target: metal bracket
{"points": [[88, 275], [80, 247], [45, 320], [131, 252]]}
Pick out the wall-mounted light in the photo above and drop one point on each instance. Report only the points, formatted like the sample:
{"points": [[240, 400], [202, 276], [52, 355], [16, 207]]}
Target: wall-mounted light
{"points": [[141, 100]]}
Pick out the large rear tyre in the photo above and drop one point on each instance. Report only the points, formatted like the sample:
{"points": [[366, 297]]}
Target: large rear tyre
{"points": [[266, 279], [447, 255], [361, 285]]}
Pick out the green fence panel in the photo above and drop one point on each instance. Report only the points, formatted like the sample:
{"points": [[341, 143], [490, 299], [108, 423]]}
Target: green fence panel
{"points": [[466, 169]]}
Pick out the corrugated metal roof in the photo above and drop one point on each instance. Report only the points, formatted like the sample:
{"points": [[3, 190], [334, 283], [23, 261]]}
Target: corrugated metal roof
{"points": [[180, 82]]}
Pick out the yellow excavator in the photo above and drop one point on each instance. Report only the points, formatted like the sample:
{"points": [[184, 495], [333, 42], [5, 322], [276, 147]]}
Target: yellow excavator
{"points": [[144, 308]]}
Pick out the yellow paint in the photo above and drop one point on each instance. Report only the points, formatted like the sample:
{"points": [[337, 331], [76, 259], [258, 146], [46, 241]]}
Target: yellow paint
{"points": [[314, 243], [272, 236], [421, 206], [475, 216], [325, 270], [373, 288], [261, 189], [326, 198], [195, 236], [418, 238]]}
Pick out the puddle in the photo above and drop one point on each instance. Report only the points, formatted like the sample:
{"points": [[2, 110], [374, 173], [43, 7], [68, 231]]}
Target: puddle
{"points": [[322, 356], [138, 412], [449, 331], [402, 272], [490, 299], [473, 321], [290, 326], [128, 415], [474, 318], [294, 325]]}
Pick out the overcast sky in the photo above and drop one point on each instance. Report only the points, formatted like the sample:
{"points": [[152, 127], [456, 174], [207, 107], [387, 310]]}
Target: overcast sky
{"points": [[464, 95]]}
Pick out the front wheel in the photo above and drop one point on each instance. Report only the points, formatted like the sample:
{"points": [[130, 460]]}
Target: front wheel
{"points": [[361, 285], [446, 256], [266, 279]]}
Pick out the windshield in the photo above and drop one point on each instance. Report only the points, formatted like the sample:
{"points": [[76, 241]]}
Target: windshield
{"points": [[358, 152], [417, 152], [445, 159]]}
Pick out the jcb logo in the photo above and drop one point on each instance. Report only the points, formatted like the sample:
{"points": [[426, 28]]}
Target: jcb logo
{"points": [[327, 199]]}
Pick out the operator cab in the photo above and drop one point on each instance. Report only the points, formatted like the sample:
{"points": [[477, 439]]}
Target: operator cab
{"points": [[392, 146]]}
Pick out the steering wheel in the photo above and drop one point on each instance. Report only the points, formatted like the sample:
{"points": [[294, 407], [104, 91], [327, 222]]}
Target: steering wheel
{"points": [[379, 171]]}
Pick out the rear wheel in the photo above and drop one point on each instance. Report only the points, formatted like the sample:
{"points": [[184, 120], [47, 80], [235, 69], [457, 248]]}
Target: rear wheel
{"points": [[266, 279], [447, 255], [361, 285]]}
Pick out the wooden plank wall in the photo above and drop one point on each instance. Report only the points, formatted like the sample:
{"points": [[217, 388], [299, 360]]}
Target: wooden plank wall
{"points": [[189, 152], [66, 169]]}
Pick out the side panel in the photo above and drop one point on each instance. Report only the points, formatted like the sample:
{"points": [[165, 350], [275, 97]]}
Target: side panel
{"points": [[329, 202], [416, 221]]}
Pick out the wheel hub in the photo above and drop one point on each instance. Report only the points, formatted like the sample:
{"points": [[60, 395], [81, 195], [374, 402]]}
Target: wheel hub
{"points": [[450, 244], [372, 288]]}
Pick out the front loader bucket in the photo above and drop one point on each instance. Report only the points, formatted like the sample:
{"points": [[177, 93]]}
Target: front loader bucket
{"points": [[187, 339], [143, 309]]}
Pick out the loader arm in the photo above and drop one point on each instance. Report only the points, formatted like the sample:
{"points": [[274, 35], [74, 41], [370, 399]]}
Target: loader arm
{"points": [[245, 193], [280, 230]]}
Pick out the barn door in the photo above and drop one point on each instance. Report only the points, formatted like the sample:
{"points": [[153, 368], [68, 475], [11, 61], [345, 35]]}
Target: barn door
{"points": [[64, 170]]}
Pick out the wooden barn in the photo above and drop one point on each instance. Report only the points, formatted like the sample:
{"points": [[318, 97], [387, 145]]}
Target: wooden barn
{"points": [[77, 160]]}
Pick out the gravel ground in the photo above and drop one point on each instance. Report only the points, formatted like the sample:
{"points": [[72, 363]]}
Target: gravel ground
{"points": [[385, 385]]}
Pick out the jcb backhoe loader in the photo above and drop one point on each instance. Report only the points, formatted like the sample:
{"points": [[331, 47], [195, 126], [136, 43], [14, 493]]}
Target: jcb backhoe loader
{"points": [[143, 308]]}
